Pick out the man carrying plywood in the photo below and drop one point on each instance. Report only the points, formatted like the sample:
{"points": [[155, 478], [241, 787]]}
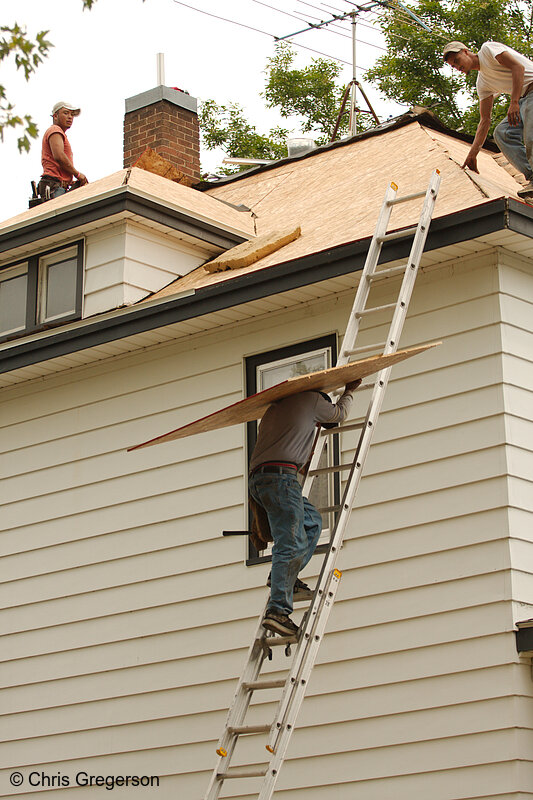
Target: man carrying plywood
{"points": [[502, 70], [284, 445]]}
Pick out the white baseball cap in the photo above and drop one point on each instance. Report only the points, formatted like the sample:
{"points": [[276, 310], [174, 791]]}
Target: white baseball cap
{"points": [[75, 110], [453, 47]]}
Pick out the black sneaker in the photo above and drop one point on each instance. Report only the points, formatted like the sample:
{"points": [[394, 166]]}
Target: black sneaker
{"points": [[302, 591], [279, 623]]}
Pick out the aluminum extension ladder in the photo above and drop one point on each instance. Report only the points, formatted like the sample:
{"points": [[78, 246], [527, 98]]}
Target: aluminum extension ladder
{"points": [[312, 628]]}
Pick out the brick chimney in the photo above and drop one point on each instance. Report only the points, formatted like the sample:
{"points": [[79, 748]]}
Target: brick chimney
{"points": [[165, 120]]}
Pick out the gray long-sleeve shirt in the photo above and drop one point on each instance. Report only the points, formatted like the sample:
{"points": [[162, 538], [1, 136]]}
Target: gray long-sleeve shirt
{"points": [[287, 430]]}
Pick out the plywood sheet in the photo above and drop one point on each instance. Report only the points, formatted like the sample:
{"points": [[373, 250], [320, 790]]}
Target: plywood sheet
{"points": [[249, 252], [254, 407]]}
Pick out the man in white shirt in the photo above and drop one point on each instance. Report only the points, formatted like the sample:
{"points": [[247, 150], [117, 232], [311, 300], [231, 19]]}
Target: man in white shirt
{"points": [[502, 70]]}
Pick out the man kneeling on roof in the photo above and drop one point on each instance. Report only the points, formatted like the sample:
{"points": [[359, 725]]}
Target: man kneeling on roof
{"points": [[59, 171], [284, 444], [502, 70]]}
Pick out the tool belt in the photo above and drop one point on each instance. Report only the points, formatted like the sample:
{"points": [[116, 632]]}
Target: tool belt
{"points": [[53, 183], [260, 535]]}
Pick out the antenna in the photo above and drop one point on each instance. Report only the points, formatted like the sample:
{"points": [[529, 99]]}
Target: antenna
{"points": [[160, 57], [354, 83]]}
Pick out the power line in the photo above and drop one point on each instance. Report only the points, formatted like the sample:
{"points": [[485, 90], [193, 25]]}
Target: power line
{"points": [[347, 36], [258, 30]]}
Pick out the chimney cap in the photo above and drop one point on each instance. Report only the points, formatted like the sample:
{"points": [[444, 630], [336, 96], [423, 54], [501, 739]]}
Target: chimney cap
{"points": [[176, 96]]}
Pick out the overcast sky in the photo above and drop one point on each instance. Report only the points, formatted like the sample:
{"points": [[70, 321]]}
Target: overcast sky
{"points": [[105, 55]]}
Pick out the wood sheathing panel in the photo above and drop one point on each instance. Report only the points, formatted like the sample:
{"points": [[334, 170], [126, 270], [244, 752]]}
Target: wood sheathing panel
{"points": [[255, 406], [249, 252], [335, 195]]}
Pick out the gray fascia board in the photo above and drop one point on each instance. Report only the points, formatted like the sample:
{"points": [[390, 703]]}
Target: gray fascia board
{"points": [[174, 96], [480, 220], [124, 200]]}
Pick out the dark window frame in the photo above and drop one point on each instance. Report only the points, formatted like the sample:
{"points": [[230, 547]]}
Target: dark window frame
{"points": [[33, 285], [251, 364]]}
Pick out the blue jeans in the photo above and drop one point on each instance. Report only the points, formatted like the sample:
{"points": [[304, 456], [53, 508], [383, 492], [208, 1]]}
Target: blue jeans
{"points": [[516, 141], [295, 525]]}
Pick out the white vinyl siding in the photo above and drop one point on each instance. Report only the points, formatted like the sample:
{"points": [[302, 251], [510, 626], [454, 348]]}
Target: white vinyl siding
{"points": [[516, 281], [126, 616], [127, 261]]}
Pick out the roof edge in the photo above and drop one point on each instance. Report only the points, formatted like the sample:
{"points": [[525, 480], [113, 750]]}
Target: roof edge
{"points": [[417, 114], [124, 198]]}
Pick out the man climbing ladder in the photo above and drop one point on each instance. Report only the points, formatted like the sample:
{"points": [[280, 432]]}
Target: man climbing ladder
{"points": [[284, 444]]}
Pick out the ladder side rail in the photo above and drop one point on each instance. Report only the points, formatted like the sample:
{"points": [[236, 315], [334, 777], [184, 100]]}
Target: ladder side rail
{"points": [[314, 614], [413, 264], [371, 261], [307, 628], [363, 444], [237, 711], [359, 303], [382, 379], [300, 687]]}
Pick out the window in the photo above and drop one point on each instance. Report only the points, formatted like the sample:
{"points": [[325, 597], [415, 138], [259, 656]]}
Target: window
{"points": [[58, 282], [42, 291], [13, 294], [267, 369]]}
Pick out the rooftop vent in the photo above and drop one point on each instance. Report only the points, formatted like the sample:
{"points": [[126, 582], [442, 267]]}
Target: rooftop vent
{"points": [[298, 145]]}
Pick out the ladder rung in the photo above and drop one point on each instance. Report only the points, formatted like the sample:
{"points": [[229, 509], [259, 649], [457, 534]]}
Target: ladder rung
{"points": [[356, 426], [398, 234], [334, 468], [406, 197], [253, 685], [327, 509], [359, 314], [243, 729], [365, 348], [237, 772], [278, 641], [383, 273]]}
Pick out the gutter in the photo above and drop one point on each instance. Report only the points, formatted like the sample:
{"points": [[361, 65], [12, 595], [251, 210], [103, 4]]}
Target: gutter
{"points": [[480, 220]]}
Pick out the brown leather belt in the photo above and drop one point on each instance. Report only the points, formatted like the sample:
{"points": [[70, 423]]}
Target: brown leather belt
{"points": [[528, 90], [279, 468]]}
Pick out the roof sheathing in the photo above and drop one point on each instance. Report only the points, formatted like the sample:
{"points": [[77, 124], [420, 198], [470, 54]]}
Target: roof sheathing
{"points": [[335, 196]]}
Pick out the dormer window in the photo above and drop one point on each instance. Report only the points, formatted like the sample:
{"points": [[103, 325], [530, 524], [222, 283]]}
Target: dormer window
{"points": [[42, 291], [13, 294], [58, 280]]}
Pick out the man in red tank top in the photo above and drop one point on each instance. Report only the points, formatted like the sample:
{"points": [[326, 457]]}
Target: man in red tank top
{"points": [[59, 171]]}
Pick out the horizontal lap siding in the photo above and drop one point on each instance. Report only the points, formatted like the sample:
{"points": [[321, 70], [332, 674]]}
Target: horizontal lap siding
{"points": [[126, 617], [516, 282]]}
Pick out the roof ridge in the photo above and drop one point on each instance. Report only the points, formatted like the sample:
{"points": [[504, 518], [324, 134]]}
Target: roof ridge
{"points": [[468, 174]]}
